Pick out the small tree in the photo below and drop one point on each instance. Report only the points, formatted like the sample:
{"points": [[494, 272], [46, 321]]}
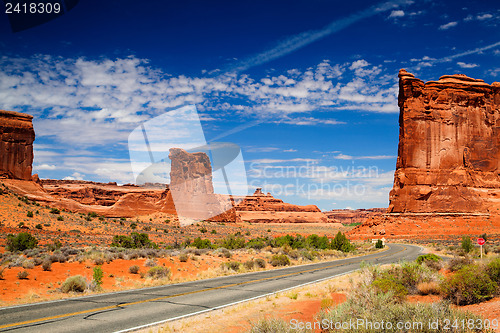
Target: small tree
{"points": [[21, 242], [467, 244], [379, 244], [97, 276], [341, 243]]}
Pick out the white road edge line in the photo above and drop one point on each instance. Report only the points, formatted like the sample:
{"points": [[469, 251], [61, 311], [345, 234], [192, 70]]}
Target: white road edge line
{"points": [[241, 301], [180, 283], [230, 304]]}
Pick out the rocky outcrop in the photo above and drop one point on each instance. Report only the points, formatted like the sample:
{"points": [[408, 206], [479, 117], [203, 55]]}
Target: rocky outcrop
{"points": [[264, 208], [192, 189], [449, 145], [106, 199], [266, 202], [349, 216], [16, 145]]}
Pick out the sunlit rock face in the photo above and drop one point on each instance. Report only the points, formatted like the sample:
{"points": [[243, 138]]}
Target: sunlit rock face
{"points": [[16, 145], [448, 155]]}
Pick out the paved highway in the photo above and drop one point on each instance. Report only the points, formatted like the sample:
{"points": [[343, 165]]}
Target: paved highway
{"points": [[122, 311]]}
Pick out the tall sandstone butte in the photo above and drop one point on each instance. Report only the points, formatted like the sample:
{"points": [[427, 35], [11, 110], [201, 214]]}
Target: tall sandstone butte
{"points": [[16, 145], [449, 146], [192, 189]]}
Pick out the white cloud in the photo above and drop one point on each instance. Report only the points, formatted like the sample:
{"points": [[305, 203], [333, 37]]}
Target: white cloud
{"points": [[261, 149], [448, 25], [397, 13], [44, 167], [75, 176], [290, 150], [372, 157], [465, 65], [484, 16]]}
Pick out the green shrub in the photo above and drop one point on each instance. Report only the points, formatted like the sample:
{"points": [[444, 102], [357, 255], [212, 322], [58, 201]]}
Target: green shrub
{"points": [[134, 269], [202, 243], [76, 283], [467, 245], [317, 242], [39, 226], [249, 264], [21, 242], [97, 276], [379, 244], [47, 264], [385, 285], [134, 241], [430, 260], [257, 243], [233, 242], [279, 260], [159, 272], [29, 264], [275, 325], [307, 255], [341, 243], [232, 265], [471, 284], [55, 211], [369, 306], [29, 214], [493, 270], [22, 275], [457, 263], [60, 218], [260, 263]]}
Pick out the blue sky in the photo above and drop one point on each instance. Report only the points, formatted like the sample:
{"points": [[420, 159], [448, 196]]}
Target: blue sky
{"points": [[309, 86]]}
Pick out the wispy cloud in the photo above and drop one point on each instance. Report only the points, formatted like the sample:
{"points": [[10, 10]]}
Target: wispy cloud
{"points": [[466, 65], [298, 41], [372, 157], [448, 25], [397, 13]]}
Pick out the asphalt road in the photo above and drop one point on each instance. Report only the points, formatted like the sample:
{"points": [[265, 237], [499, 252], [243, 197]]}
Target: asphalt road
{"points": [[127, 310]]}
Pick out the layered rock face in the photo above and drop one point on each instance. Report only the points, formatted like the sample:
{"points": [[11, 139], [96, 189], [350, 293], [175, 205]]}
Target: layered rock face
{"points": [[449, 146], [192, 189], [264, 208], [16, 145], [348, 216]]}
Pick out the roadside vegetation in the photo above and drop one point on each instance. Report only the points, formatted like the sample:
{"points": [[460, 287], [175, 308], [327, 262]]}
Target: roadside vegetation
{"points": [[380, 295], [154, 264]]}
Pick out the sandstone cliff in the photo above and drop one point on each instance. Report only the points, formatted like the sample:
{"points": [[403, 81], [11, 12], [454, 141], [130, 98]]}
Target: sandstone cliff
{"points": [[16, 145], [264, 208], [192, 189], [348, 216], [449, 145]]}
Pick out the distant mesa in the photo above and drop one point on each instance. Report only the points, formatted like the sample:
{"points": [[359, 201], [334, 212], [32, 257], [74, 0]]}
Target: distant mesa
{"points": [[264, 208]]}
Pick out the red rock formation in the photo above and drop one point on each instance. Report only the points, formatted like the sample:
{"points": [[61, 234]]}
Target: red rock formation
{"points": [[348, 216], [193, 191], [266, 209], [108, 199], [262, 202], [447, 180], [449, 145], [16, 145]]}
